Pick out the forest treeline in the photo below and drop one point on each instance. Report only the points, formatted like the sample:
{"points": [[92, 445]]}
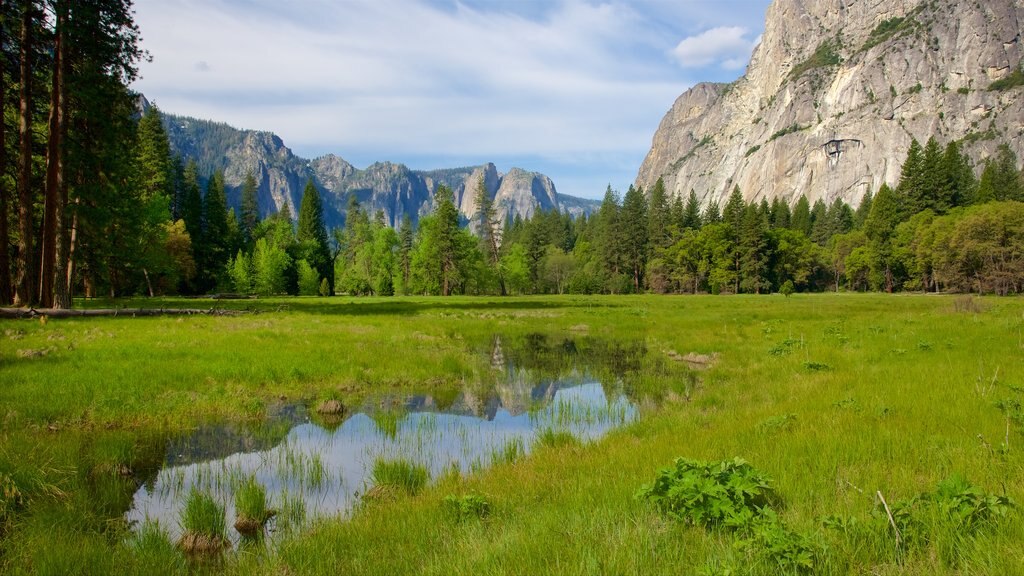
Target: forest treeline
{"points": [[93, 202]]}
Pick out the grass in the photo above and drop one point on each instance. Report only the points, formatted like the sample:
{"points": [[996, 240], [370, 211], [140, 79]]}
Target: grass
{"points": [[400, 475], [836, 398], [204, 529], [251, 510]]}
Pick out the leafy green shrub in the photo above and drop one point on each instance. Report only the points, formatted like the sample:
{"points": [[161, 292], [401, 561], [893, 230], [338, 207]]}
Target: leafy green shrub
{"points": [[467, 506], [752, 150], [956, 507], [816, 366], [730, 493], [400, 474], [787, 552], [787, 289]]}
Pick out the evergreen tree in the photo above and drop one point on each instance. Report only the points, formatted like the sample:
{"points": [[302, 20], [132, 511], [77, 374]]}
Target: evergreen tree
{"points": [[658, 216], [192, 207], [801, 219], [1000, 179], [405, 243], [312, 235], [712, 215], [820, 225], [445, 254], [912, 181], [250, 216], [959, 183], [216, 231], [488, 226], [863, 209], [608, 235], [780, 214], [886, 211], [677, 215], [153, 157], [691, 214], [634, 234], [753, 250], [732, 214]]}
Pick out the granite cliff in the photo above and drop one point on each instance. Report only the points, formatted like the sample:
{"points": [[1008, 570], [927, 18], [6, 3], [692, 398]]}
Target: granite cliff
{"points": [[835, 93], [392, 188]]}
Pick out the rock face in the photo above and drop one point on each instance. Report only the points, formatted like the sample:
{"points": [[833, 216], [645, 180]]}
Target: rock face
{"points": [[392, 188], [835, 93]]}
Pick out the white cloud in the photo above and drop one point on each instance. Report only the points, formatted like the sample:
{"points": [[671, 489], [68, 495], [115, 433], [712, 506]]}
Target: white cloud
{"points": [[401, 78], [726, 46]]}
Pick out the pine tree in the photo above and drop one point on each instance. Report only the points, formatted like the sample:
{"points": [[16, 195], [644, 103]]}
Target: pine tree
{"points": [[405, 244], [312, 234], [658, 218], [216, 231], [250, 217], [1000, 179], [863, 209], [677, 215], [959, 183], [691, 214], [192, 206], [886, 211], [752, 247], [712, 215], [608, 235], [801, 220], [911, 186], [634, 234], [732, 214], [488, 226]]}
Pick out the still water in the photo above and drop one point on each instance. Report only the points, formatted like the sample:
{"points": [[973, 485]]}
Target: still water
{"points": [[325, 467]]}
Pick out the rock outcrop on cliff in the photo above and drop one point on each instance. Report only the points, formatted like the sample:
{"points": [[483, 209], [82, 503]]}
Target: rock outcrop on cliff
{"points": [[392, 188], [835, 93]]}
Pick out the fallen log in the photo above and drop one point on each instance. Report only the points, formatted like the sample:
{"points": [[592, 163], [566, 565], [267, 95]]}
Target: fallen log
{"points": [[15, 313]]}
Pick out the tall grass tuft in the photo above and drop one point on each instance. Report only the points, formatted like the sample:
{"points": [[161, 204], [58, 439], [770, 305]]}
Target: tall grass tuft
{"points": [[251, 507], [400, 474], [203, 525]]}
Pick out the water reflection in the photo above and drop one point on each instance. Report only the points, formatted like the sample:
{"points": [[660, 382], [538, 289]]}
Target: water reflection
{"points": [[330, 468]]}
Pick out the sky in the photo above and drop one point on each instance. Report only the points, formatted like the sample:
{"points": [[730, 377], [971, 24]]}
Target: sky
{"points": [[571, 88]]}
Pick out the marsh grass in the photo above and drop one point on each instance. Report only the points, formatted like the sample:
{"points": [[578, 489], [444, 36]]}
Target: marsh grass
{"points": [[251, 511], [891, 416], [399, 474], [204, 528]]}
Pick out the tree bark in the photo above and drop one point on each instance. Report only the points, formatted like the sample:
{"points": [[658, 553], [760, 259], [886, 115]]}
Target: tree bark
{"points": [[24, 277], [6, 290], [53, 208], [61, 292]]}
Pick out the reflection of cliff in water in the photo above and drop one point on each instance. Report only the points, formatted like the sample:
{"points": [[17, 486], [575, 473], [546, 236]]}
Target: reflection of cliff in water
{"points": [[216, 441], [527, 373]]}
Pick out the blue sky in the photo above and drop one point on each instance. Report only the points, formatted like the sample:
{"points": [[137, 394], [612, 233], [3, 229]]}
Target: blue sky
{"points": [[571, 88]]}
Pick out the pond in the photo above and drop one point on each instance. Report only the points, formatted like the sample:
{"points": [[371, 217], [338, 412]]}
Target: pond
{"points": [[312, 467]]}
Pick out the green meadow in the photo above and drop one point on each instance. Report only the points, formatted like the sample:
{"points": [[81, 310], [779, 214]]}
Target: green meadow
{"points": [[834, 403]]}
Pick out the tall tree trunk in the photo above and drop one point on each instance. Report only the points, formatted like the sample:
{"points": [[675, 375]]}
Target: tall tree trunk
{"points": [[60, 294], [24, 277], [53, 202], [6, 290]]}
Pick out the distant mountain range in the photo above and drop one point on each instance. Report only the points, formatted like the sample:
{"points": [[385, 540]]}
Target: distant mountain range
{"points": [[389, 187]]}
